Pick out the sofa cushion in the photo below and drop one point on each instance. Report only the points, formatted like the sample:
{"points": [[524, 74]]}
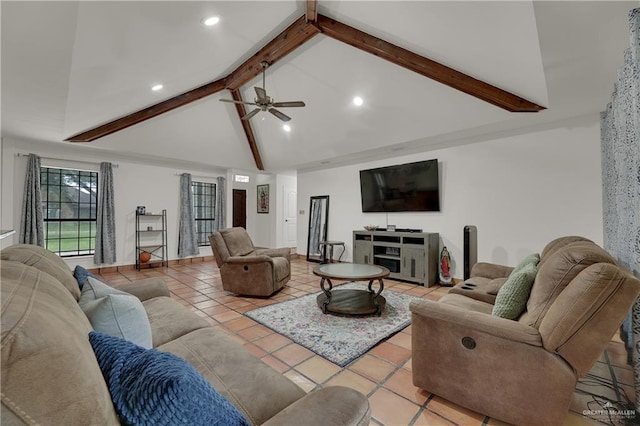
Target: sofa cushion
{"points": [[120, 316], [512, 298], [45, 261], [238, 241], [80, 273], [158, 388], [556, 271], [557, 244], [170, 320], [48, 370], [219, 358]]}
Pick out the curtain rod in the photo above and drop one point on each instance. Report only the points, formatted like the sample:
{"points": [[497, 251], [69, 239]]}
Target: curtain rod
{"points": [[20, 154], [198, 176]]}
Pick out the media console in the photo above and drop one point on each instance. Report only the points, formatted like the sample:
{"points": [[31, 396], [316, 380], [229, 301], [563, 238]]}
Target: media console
{"points": [[410, 256]]}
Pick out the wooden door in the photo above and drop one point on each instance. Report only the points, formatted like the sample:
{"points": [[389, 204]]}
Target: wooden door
{"points": [[240, 208]]}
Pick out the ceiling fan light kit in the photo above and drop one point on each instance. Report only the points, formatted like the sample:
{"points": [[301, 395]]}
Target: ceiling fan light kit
{"points": [[264, 102]]}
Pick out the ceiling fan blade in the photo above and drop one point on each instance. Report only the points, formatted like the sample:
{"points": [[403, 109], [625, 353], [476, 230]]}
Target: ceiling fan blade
{"points": [[251, 114], [262, 94], [280, 115], [237, 102], [289, 104]]}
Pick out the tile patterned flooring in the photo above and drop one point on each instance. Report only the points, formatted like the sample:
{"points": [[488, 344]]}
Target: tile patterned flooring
{"points": [[383, 373]]}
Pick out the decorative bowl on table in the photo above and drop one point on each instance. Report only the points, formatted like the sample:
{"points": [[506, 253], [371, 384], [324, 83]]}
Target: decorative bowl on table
{"points": [[370, 227]]}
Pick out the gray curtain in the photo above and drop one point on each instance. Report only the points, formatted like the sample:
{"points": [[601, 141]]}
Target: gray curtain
{"points": [[106, 219], [32, 224], [187, 240], [620, 131], [221, 203]]}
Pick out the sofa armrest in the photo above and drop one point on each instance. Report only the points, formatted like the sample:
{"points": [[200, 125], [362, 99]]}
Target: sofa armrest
{"points": [[330, 406], [274, 252], [476, 321], [490, 270], [146, 289]]}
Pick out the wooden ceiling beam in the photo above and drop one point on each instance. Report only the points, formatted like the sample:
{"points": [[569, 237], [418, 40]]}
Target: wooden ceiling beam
{"points": [[292, 37], [149, 112], [312, 11], [248, 130], [284, 43], [425, 66]]}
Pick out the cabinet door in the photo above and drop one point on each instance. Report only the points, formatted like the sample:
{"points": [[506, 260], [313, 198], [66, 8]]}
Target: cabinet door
{"points": [[363, 252], [413, 263]]}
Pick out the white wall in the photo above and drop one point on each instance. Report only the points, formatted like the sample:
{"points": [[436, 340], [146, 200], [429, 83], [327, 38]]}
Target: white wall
{"points": [[264, 233], [520, 192], [135, 184], [269, 226]]}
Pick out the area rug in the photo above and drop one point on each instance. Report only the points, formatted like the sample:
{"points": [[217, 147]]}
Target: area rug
{"points": [[335, 338]]}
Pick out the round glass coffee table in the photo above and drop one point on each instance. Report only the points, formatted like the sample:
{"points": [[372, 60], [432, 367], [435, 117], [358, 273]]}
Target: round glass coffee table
{"points": [[351, 301]]}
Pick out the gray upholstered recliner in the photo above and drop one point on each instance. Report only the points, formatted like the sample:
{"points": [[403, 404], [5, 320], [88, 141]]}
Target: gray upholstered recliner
{"points": [[523, 371], [246, 269]]}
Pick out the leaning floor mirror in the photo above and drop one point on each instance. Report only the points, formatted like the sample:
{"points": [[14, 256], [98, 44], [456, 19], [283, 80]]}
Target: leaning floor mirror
{"points": [[318, 225]]}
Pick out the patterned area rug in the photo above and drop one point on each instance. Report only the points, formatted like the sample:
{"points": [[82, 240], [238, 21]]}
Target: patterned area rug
{"points": [[338, 339]]}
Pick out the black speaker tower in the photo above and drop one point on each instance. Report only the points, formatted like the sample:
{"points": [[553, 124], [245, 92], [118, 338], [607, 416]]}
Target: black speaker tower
{"points": [[470, 249]]}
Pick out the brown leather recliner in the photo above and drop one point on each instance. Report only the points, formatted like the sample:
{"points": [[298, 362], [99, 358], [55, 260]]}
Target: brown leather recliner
{"points": [[523, 371], [246, 269]]}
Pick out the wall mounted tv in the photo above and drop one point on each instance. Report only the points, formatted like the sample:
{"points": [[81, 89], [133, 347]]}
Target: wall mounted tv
{"points": [[402, 188]]}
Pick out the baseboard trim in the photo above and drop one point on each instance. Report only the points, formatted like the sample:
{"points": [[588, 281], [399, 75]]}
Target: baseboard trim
{"points": [[132, 267]]}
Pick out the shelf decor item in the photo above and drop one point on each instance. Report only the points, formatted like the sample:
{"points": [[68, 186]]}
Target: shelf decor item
{"points": [[263, 198], [445, 267], [145, 256], [141, 210]]}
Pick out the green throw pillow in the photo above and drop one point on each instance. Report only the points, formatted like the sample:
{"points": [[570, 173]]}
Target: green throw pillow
{"points": [[533, 259], [512, 298]]}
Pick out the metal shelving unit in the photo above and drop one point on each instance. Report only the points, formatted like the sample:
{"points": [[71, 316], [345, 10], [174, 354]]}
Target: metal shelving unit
{"points": [[151, 237]]}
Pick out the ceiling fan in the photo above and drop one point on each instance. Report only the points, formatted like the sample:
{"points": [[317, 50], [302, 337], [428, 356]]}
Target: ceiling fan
{"points": [[266, 103]]}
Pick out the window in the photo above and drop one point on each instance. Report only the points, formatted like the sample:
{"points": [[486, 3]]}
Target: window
{"points": [[204, 206], [69, 207]]}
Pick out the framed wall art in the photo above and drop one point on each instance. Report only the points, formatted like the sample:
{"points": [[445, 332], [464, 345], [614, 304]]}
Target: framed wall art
{"points": [[263, 198]]}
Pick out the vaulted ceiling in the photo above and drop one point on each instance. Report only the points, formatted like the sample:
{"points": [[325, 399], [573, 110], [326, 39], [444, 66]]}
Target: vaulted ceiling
{"points": [[84, 71]]}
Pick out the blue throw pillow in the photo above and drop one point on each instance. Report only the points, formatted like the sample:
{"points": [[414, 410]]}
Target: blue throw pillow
{"points": [[81, 275], [151, 387]]}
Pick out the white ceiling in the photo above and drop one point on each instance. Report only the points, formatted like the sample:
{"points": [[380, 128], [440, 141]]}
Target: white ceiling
{"points": [[70, 66]]}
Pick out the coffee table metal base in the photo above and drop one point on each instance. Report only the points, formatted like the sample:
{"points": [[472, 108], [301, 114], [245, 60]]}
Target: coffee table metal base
{"points": [[351, 302]]}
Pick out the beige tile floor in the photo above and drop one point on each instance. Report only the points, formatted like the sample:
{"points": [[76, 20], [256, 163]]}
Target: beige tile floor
{"points": [[383, 373]]}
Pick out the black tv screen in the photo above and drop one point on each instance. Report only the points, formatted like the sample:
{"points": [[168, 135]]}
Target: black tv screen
{"points": [[403, 188]]}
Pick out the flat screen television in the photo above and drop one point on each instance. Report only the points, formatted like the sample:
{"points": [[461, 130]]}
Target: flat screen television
{"points": [[412, 187]]}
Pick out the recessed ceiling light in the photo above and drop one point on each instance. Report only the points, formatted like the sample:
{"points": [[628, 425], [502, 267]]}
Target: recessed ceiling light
{"points": [[211, 21], [358, 101], [157, 87], [286, 128]]}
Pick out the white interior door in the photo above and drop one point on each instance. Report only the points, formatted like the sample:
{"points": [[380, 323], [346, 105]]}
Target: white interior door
{"points": [[290, 208]]}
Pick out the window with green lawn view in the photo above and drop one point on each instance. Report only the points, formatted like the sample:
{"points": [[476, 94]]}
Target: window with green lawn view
{"points": [[204, 205], [69, 206]]}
